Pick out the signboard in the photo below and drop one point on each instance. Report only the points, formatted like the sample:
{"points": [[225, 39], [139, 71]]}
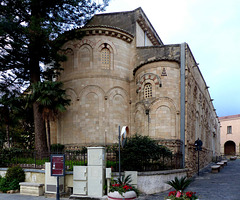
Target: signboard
{"points": [[57, 165], [198, 145]]}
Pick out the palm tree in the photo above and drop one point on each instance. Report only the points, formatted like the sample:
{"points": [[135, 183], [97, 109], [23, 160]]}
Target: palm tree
{"points": [[51, 99]]}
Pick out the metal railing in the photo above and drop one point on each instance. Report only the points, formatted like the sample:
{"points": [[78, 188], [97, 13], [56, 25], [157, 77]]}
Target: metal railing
{"points": [[29, 159], [163, 162]]}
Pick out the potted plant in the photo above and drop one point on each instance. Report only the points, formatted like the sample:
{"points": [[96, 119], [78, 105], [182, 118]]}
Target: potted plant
{"points": [[121, 189], [180, 185]]}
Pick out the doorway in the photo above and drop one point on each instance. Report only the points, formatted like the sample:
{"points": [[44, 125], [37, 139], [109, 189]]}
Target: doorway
{"points": [[230, 148]]}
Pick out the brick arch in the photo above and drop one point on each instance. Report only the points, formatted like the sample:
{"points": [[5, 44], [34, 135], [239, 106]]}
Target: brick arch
{"points": [[92, 88], [164, 119], [140, 119], [85, 59], [164, 101], [83, 42], [155, 79], [66, 122], [68, 65], [91, 114], [117, 110], [197, 125], [229, 148], [104, 43], [117, 90], [72, 95], [67, 45]]}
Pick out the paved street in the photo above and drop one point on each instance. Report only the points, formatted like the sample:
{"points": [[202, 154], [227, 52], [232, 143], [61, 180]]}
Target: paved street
{"points": [[224, 185], [221, 186], [24, 197]]}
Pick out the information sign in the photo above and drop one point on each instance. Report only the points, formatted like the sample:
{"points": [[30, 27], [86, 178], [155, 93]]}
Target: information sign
{"points": [[57, 165]]}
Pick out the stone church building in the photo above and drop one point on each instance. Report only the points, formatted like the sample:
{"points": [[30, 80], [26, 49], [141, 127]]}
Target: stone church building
{"points": [[121, 73]]}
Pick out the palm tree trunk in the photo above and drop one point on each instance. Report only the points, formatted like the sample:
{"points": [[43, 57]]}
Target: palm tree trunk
{"points": [[49, 135], [40, 131], [8, 136]]}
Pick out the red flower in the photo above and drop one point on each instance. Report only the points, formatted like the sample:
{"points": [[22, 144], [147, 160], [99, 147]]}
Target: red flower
{"points": [[189, 194], [173, 193], [116, 185]]}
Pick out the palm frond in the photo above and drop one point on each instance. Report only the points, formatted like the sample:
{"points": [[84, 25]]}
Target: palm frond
{"points": [[180, 184]]}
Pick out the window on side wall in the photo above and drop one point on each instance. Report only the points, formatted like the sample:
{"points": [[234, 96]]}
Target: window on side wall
{"points": [[229, 129], [105, 58], [148, 91]]}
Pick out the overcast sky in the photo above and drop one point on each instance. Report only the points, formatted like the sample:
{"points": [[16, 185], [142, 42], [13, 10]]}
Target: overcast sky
{"points": [[212, 30]]}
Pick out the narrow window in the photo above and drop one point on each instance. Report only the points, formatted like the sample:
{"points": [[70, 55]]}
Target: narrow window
{"points": [[105, 58], [229, 129], [148, 91]]}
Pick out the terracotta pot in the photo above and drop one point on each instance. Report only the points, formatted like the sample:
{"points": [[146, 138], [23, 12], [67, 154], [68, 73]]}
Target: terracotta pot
{"points": [[126, 196]]}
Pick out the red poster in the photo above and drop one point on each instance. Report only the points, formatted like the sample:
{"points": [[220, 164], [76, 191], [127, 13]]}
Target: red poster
{"points": [[57, 165]]}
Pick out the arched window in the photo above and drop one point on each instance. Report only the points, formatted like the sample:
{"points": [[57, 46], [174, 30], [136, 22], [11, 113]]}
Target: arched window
{"points": [[148, 90], [105, 58]]}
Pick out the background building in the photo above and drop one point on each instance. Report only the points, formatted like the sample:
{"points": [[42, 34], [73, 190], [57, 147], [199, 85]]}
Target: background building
{"points": [[230, 132], [121, 73]]}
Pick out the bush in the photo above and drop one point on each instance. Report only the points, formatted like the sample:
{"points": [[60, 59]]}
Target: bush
{"points": [[57, 148], [4, 185], [15, 172], [13, 177], [141, 151]]}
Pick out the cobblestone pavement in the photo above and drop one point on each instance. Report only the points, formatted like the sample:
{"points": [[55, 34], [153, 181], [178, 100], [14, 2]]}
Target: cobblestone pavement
{"points": [[224, 185]]}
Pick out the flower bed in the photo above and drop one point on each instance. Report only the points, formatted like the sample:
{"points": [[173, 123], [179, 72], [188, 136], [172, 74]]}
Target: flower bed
{"points": [[178, 195]]}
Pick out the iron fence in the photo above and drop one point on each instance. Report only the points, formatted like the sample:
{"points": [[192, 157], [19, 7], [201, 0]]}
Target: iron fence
{"points": [[163, 162], [29, 159]]}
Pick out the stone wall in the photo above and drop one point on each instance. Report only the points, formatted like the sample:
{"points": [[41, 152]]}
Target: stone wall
{"points": [[99, 91], [205, 157], [112, 82], [201, 119], [156, 181]]}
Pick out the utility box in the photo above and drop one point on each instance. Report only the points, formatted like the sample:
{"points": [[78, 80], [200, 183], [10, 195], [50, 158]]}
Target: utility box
{"points": [[108, 173], [51, 181], [95, 181], [80, 180], [96, 171], [96, 156]]}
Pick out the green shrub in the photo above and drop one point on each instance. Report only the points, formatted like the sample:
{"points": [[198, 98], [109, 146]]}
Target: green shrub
{"points": [[13, 177], [15, 172], [14, 184], [57, 148], [140, 151], [4, 184]]}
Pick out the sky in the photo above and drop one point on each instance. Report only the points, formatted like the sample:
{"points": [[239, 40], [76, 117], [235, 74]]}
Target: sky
{"points": [[212, 30]]}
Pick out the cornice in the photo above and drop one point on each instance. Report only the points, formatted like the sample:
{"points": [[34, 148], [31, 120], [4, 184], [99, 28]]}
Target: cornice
{"points": [[108, 31], [154, 60], [150, 34]]}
